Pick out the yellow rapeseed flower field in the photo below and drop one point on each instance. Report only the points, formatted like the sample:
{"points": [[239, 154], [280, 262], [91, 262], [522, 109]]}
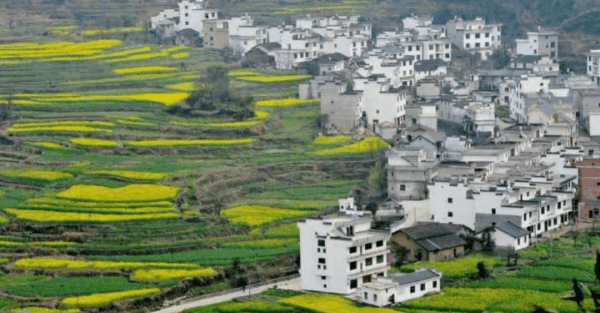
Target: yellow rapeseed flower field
{"points": [[55, 263], [135, 123], [274, 79], [258, 215], [257, 120], [129, 193], [102, 299], [188, 86], [287, 102], [187, 142], [144, 69], [3, 219], [331, 140], [92, 142], [160, 275], [132, 174], [69, 217], [54, 244], [369, 144], [240, 124], [139, 57], [329, 303], [34, 309], [180, 55], [61, 129], [167, 99], [242, 73], [116, 30], [64, 123], [46, 144], [36, 174], [94, 204]]}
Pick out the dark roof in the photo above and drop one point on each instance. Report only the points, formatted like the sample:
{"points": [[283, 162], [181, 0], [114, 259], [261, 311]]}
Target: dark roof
{"points": [[414, 277], [441, 242], [188, 32], [332, 57], [428, 230], [429, 65], [527, 58], [512, 229], [270, 46]]}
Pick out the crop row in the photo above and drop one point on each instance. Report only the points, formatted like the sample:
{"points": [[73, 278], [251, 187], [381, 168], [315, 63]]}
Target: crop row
{"points": [[161, 143]]}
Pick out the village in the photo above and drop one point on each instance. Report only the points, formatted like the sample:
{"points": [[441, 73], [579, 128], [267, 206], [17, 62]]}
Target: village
{"points": [[491, 144]]}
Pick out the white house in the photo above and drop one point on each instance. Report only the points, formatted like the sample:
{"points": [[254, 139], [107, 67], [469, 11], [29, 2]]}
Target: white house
{"points": [[339, 253], [398, 288], [347, 206], [593, 71], [382, 105], [522, 89], [475, 35], [191, 15], [539, 43], [506, 235]]}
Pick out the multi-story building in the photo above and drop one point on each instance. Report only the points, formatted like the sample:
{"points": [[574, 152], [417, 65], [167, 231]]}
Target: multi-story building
{"points": [[539, 43], [339, 253], [408, 173], [475, 36], [191, 15], [216, 34], [589, 184], [522, 94], [339, 106], [593, 70], [381, 104]]}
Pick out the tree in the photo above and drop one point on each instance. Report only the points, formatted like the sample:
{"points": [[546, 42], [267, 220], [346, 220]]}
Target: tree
{"points": [[482, 273], [577, 296]]}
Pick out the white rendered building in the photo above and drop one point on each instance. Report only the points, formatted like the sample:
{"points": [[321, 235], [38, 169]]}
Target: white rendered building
{"points": [[539, 43], [191, 15], [475, 36], [593, 70], [398, 288], [339, 253]]}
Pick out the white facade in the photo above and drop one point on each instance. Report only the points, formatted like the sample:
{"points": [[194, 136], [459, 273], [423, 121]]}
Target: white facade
{"points": [[347, 206], [475, 36], [339, 253], [518, 92], [593, 70], [380, 105], [380, 292], [505, 240], [191, 15], [539, 43]]}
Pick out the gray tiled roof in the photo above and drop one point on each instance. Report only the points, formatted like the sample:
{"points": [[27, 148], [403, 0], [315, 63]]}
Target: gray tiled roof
{"points": [[429, 65], [441, 242], [414, 277], [512, 229]]}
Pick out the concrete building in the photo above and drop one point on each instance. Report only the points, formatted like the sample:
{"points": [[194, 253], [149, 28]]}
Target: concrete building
{"points": [[216, 34], [339, 253], [593, 70], [507, 235], [480, 118], [429, 242], [381, 104], [191, 14], [408, 173], [539, 43], [400, 287], [475, 35], [589, 184], [340, 107]]}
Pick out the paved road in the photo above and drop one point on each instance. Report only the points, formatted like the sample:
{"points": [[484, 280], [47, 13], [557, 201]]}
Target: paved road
{"points": [[291, 284]]}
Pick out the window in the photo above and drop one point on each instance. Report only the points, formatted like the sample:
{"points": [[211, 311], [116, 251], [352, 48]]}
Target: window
{"points": [[591, 214], [418, 48], [539, 226], [322, 260], [543, 210], [467, 36], [353, 284], [366, 296], [449, 200], [321, 243], [487, 44], [353, 265], [422, 287], [325, 286], [447, 46], [450, 214], [186, 14], [368, 261], [467, 45], [402, 187], [412, 289], [477, 45], [368, 246], [559, 205], [380, 259], [477, 36], [447, 55], [430, 47], [352, 250], [487, 35], [435, 284], [379, 243], [518, 241], [187, 23], [552, 44], [555, 220], [323, 277], [374, 297], [409, 48], [493, 211], [525, 216]]}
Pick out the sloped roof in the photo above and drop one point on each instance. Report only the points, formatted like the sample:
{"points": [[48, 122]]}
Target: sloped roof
{"points": [[429, 65], [427, 231], [527, 58], [441, 242], [404, 279], [511, 229], [332, 57]]}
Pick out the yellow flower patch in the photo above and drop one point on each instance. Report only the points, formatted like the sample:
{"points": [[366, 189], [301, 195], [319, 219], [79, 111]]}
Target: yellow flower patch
{"points": [[46, 144], [102, 299], [160, 275], [64, 123], [274, 79], [240, 124], [54, 244], [3, 219], [132, 175], [92, 142], [180, 55], [36, 174], [135, 123], [331, 140], [188, 142], [61, 129], [11, 244], [242, 73], [94, 204], [54, 263], [183, 87], [369, 144], [134, 192], [70, 217], [329, 303], [258, 215], [116, 30], [139, 57], [34, 309], [167, 99], [144, 69], [285, 102]]}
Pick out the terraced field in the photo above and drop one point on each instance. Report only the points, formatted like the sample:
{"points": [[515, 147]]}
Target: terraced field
{"points": [[104, 187]]}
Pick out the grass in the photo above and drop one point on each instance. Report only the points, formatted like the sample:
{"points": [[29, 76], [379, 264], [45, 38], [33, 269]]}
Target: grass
{"points": [[458, 268], [65, 286]]}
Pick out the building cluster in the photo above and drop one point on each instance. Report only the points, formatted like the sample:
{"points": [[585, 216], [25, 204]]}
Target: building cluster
{"points": [[481, 158]]}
